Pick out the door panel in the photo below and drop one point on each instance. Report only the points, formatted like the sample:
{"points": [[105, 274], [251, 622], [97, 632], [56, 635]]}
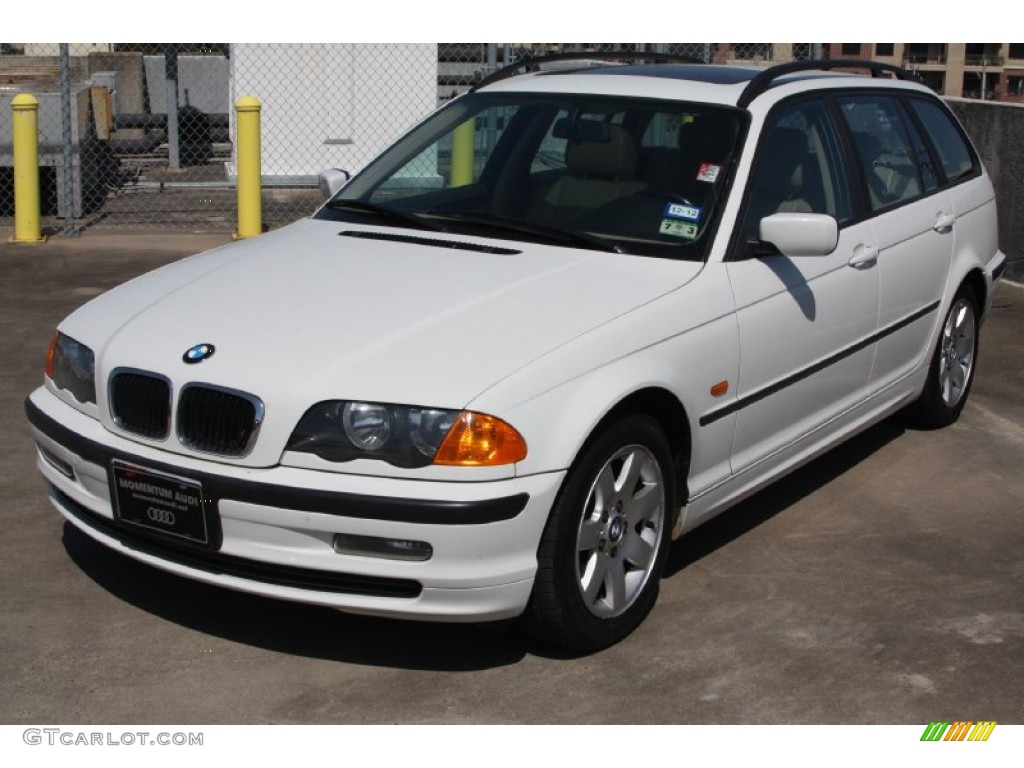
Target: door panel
{"points": [[806, 323], [913, 262], [801, 321], [913, 222]]}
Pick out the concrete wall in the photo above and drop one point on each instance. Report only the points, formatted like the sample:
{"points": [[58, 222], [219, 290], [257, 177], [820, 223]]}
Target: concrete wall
{"points": [[997, 130]]}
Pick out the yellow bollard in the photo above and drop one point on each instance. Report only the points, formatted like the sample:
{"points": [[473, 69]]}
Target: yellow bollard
{"points": [[463, 138], [247, 144], [25, 130]]}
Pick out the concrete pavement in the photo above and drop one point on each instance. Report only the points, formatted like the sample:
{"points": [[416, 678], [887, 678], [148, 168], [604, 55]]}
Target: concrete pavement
{"points": [[880, 584]]}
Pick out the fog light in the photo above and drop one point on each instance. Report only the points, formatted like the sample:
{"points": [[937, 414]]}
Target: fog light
{"points": [[373, 546]]}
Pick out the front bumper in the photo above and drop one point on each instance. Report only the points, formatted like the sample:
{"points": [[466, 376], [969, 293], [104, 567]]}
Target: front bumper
{"points": [[277, 526]]}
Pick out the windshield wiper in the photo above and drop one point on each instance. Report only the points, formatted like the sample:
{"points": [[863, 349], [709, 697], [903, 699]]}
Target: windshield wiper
{"points": [[571, 237], [394, 214]]}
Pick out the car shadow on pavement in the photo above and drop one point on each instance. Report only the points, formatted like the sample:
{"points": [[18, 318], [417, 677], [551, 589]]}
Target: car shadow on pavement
{"points": [[294, 628], [781, 495], [323, 633]]}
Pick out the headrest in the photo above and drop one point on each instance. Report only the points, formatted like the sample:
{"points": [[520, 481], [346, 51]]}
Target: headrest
{"points": [[614, 157]]}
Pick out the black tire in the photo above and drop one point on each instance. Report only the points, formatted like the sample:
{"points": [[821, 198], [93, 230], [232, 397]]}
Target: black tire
{"points": [[596, 528], [952, 366]]}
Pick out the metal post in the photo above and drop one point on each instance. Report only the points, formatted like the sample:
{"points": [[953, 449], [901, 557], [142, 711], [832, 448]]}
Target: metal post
{"points": [[491, 134], [171, 92], [25, 135], [984, 75], [707, 53], [463, 139], [247, 146], [67, 140]]}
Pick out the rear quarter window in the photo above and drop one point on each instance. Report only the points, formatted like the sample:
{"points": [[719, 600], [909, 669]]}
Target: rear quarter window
{"points": [[954, 155]]}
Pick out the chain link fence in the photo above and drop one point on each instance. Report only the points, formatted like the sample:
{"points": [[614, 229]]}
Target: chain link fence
{"points": [[141, 134]]}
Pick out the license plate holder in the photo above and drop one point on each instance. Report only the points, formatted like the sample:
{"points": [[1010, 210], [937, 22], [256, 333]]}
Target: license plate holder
{"points": [[160, 503]]}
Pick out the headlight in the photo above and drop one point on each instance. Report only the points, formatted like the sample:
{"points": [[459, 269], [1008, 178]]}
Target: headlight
{"points": [[405, 435], [72, 366], [367, 425]]}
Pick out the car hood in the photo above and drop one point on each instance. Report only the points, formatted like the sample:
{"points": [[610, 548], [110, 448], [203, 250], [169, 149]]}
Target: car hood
{"points": [[308, 313]]}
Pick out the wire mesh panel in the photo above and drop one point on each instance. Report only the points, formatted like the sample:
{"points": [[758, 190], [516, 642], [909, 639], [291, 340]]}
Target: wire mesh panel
{"points": [[803, 51], [153, 127], [328, 106], [149, 133], [460, 65], [700, 51]]}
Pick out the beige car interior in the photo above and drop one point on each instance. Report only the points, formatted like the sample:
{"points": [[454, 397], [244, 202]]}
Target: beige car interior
{"points": [[597, 173]]}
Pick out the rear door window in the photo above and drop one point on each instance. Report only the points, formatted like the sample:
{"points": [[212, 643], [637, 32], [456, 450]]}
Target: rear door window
{"points": [[884, 149]]}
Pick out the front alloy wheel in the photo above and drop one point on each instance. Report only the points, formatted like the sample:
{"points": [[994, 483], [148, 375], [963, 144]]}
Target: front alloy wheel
{"points": [[606, 541], [618, 536]]}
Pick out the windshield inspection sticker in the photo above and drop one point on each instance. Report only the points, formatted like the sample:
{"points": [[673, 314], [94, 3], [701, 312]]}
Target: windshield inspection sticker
{"points": [[684, 212], [708, 172], [677, 228]]}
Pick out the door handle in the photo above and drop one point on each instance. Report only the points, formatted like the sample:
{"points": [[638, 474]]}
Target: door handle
{"points": [[864, 256], [944, 222]]}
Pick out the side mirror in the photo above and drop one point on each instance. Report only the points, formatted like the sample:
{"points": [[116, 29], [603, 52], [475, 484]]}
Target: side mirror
{"points": [[332, 180], [800, 234]]}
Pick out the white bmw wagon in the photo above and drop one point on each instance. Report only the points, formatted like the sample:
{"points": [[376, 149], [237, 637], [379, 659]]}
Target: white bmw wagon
{"points": [[569, 317]]}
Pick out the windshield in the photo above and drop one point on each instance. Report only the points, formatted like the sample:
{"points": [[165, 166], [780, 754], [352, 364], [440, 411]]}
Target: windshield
{"points": [[630, 175]]}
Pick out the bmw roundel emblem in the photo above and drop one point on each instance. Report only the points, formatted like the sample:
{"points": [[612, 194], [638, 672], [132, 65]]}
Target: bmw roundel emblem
{"points": [[198, 353]]}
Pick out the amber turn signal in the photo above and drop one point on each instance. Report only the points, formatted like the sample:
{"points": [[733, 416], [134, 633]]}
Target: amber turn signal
{"points": [[51, 355], [479, 440]]}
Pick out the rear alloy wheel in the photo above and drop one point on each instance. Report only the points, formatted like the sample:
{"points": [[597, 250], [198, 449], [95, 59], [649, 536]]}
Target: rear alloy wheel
{"points": [[606, 541], [952, 367]]}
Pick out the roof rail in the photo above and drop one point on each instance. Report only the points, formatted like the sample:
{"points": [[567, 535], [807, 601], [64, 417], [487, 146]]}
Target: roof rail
{"points": [[534, 62], [764, 80]]}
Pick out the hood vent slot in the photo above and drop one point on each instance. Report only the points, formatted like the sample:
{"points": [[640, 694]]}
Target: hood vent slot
{"points": [[413, 240]]}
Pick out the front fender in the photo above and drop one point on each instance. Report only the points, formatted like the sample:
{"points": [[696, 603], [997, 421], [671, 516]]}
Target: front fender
{"points": [[556, 421]]}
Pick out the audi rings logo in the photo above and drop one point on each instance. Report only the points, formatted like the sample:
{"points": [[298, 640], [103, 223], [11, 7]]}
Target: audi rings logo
{"points": [[162, 516]]}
